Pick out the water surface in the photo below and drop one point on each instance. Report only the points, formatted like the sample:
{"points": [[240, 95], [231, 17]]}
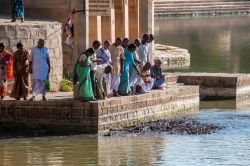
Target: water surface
{"points": [[216, 43], [230, 146]]}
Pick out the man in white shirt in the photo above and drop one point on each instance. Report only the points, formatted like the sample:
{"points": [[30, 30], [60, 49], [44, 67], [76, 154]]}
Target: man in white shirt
{"points": [[102, 71], [144, 50], [39, 68]]}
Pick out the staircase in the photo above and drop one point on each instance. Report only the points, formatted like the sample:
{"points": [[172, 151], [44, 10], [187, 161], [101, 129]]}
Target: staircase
{"points": [[201, 7]]}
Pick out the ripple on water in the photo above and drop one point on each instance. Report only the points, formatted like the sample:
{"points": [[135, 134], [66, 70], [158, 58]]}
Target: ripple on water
{"points": [[229, 146]]}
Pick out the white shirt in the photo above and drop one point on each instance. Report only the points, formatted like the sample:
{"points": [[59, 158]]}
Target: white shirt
{"points": [[100, 74], [94, 64], [144, 53], [38, 57]]}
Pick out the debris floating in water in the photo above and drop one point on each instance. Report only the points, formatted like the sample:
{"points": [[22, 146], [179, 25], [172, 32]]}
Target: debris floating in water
{"points": [[182, 126]]}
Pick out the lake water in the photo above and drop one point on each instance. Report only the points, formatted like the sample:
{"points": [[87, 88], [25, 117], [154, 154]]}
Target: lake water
{"points": [[228, 147], [216, 43]]}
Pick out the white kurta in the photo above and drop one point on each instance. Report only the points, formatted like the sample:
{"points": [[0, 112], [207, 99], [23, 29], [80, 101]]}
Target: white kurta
{"points": [[144, 54], [38, 57]]}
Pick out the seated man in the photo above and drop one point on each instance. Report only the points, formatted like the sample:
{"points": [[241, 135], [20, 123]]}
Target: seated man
{"points": [[144, 82], [156, 74], [101, 87]]}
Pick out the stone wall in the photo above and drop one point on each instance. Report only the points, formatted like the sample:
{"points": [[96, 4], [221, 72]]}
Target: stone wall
{"points": [[172, 57], [56, 10], [218, 85], [28, 33], [68, 116]]}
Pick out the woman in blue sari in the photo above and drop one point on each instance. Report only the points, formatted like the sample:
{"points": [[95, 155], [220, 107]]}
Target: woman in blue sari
{"points": [[17, 10], [124, 87]]}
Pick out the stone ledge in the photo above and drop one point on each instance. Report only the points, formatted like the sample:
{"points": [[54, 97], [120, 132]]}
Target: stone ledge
{"points": [[100, 115], [218, 85], [172, 57]]}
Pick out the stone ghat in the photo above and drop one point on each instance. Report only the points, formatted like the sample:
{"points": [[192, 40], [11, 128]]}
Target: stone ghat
{"points": [[28, 33], [67, 116], [219, 85], [172, 57]]}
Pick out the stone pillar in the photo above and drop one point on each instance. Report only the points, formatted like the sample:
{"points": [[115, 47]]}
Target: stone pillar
{"points": [[81, 31], [146, 16], [133, 19], [95, 28], [121, 18], [108, 26], [146, 21]]}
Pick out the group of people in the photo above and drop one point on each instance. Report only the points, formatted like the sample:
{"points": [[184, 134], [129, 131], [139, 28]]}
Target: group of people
{"points": [[20, 65], [122, 68]]}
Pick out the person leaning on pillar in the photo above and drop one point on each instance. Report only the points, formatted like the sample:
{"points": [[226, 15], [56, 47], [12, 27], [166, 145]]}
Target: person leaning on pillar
{"points": [[17, 10]]}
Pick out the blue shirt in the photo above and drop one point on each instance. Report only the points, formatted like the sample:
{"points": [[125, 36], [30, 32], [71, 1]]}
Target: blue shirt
{"points": [[38, 57], [129, 57]]}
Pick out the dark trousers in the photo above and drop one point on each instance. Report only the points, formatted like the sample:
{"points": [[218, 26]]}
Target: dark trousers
{"points": [[92, 76]]}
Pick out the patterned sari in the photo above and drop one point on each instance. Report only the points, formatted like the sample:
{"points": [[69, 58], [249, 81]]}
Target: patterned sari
{"points": [[82, 71], [20, 88], [5, 61], [17, 8]]}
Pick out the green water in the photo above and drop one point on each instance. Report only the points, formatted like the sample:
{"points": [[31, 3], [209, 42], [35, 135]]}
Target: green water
{"points": [[216, 43]]}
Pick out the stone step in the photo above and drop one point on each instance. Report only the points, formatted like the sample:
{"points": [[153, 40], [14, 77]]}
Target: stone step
{"points": [[201, 8], [194, 1], [182, 7], [201, 4]]}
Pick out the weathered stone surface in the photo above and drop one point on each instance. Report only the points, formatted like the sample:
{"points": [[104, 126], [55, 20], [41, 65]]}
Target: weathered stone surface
{"points": [[28, 33], [102, 115], [218, 85], [172, 57]]}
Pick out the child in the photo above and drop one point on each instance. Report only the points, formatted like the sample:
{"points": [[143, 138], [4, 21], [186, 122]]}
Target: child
{"points": [[101, 72], [156, 74], [145, 82]]}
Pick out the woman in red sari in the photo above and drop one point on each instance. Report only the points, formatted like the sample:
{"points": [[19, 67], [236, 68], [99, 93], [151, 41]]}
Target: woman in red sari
{"points": [[5, 69]]}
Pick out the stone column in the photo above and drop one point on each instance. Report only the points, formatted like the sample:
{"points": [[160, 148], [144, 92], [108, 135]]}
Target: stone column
{"points": [[146, 21], [133, 19], [81, 28], [81, 32], [108, 26], [121, 18], [95, 28], [146, 16]]}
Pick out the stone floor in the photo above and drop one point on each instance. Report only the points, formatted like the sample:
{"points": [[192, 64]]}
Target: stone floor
{"points": [[52, 96]]}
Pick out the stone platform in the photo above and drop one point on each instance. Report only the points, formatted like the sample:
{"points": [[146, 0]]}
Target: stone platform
{"points": [[218, 85], [28, 33], [63, 115], [172, 57]]}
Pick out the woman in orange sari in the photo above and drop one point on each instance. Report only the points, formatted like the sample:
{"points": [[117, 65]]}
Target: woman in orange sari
{"points": [[5, 64]]}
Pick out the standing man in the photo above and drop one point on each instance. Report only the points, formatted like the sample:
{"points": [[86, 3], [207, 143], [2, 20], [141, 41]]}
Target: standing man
{"points": [[17, 10], [117, 58], [20, 88], [39, 68], [144, 50]]}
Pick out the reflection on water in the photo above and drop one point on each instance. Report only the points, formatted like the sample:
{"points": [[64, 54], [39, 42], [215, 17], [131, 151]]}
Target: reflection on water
{"points": [[230, 146], [216, 44]]}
